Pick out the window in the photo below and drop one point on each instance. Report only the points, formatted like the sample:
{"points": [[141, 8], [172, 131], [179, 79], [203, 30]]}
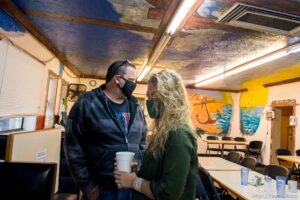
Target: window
{"points": [[11, 124]]}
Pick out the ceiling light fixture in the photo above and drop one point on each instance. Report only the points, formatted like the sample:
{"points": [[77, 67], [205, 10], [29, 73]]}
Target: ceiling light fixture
{"points": [[176, 20], [181, 12], [210, 80], [294, 49], [143, 73], [255, 63], [251, 64]]}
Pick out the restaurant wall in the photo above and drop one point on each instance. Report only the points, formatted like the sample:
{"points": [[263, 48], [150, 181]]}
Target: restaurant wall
{"points": [[140, 90], [52, 65], [21, 40], [263, 132]]}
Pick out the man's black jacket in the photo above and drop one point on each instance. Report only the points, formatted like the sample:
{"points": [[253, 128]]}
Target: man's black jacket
{"points": [[93, 137]]}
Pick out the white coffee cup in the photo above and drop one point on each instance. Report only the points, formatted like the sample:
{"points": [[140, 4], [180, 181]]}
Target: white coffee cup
{"points": [[292, 186], [124, 160]]}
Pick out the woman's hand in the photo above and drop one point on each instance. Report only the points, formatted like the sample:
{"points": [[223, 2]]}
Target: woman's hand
{"points": [[134, 167], [124, 179]]}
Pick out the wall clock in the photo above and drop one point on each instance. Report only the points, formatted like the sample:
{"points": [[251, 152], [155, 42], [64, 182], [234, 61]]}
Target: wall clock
{"points": [[93, 83]]}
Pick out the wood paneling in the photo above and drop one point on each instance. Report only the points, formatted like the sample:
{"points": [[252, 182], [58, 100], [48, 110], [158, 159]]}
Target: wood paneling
{"points": [[293, 80], [78, 19]]}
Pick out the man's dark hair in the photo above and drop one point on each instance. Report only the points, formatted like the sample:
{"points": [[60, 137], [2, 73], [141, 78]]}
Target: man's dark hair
{"points": [[117, 68]]}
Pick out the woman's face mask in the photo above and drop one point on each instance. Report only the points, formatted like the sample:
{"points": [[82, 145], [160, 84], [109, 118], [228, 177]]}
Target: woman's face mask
{"points": [[153, 110]]}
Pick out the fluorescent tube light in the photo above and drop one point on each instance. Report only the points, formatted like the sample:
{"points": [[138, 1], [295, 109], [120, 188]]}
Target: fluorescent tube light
{"points": [[144, 72], [181, 12], [255, 63], [142, 67], [210, 80], [156, 53], [250, 65], [294, 49], [210, 75], [176, 20]]}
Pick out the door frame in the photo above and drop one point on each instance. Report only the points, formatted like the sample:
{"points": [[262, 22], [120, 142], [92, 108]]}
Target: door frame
{"points": [[51, 74], [284, 103]]}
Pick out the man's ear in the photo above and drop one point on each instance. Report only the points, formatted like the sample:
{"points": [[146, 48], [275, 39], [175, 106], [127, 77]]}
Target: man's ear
{"points": [[117, 79]]}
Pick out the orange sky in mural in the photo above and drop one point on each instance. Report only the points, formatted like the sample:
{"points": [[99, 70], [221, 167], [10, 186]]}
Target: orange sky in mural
{"points": [[200, 115]]}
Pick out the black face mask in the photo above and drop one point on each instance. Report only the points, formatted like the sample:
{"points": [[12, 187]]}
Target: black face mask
{"points": [[128, 87]]}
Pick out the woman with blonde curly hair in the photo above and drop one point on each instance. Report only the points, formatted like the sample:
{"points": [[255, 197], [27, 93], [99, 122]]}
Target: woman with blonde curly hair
{"points": [[170, 164]]}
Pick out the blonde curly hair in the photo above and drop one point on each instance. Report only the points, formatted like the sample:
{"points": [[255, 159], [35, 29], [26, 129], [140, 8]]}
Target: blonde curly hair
{"points": [[169, 89]]}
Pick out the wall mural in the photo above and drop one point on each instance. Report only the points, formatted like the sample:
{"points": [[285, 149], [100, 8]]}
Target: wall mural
{"points": [[211, 111], [9, 25], [252, 104], [92, 48], [212, 9]]}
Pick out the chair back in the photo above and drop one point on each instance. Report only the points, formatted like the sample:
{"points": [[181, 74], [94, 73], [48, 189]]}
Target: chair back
{"points": [[27, 180], [240, 139], [276, 170], [233, 157], [249, 162], [283, 152], [200, 191], [212, 137], [208, 184], [227, 138], [298, 152], [255, 145]]}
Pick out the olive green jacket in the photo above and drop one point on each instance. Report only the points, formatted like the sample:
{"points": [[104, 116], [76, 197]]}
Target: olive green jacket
{"points": [[174, 175]]}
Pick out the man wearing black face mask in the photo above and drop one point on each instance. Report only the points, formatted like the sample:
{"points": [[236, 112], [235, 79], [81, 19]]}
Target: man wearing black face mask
{"points": [[102, 122]]}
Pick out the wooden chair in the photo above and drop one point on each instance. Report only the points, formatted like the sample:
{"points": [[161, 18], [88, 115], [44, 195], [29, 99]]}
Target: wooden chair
{"points": [[212, 147]]}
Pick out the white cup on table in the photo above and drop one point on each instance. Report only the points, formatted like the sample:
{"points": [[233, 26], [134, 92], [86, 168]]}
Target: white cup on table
{"points": [[292, 186]]}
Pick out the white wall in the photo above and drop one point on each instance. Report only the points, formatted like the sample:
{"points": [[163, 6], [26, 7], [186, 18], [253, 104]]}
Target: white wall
{"points": [[140, 90], [67, 75], [21, 84], [282, 92], [20, 66]]}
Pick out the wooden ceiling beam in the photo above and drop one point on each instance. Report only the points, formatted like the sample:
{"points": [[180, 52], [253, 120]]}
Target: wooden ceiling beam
{"points": [[86, 20], [197, 22], [283, 82], [155, 13], [167, 17], [168, 14], [17, 14], [191, 12], [290, 7], [217, 89], [158, 3], [96, 59]]}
